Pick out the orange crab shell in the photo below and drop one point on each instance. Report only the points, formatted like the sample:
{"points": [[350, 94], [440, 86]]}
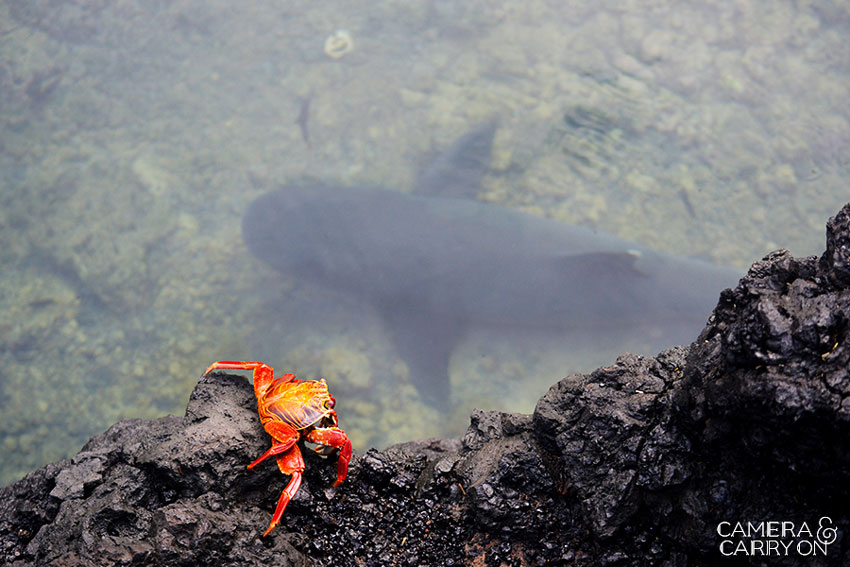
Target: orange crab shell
{"points": [[298, 404]]}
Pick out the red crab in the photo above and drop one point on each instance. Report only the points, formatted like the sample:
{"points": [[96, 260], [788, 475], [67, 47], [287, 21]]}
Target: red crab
{"points": [[292, 409]]}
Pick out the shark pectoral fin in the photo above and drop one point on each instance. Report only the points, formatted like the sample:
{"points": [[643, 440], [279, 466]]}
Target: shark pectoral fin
{"points": [[425, 342], [458, 170]]}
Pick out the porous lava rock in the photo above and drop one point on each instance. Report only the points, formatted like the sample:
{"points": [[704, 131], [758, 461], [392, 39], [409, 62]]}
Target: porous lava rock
{"points": [[663, 460]]}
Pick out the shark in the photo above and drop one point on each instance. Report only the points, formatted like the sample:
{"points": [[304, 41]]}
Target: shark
{"points": [[434, 262]]}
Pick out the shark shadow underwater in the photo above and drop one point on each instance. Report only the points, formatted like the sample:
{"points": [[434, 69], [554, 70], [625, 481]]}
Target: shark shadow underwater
{"points": [[435, 263]]}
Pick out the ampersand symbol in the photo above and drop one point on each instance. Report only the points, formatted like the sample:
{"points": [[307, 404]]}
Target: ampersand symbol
{"points": [[826, 534]]}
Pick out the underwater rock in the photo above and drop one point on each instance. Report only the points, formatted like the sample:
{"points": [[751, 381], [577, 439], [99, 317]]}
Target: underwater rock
{"points": [[695, 456]]}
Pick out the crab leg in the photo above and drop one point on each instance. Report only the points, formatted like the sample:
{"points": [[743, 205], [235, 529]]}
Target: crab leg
{"points": [[273, 450], [284, 438], [291, 463], [263, 374]]}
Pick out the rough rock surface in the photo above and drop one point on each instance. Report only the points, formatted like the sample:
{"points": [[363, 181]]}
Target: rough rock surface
{"points": [[638, 463]]}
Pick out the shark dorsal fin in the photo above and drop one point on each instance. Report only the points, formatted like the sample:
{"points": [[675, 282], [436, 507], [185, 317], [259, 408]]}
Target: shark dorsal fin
{"points": [[608, 266], [457, 171]]}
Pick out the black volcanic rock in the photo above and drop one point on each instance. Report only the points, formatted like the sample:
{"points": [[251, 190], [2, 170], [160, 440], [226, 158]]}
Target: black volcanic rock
{"points": [[639, 463]]}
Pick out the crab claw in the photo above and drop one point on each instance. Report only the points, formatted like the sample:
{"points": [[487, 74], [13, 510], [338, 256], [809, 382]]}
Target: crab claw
{"points": [[331, 438], [344, 459]]}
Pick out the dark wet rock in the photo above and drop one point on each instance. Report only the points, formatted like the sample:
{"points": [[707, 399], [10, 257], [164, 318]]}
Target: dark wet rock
{"points": [[637, 463], [614, 434]]}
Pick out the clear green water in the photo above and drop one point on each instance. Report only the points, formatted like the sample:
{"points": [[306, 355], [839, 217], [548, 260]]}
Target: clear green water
{"points": [[133, 134]]}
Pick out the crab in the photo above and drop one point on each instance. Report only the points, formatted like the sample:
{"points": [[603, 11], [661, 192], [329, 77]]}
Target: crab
{"points": [[291, 410]]}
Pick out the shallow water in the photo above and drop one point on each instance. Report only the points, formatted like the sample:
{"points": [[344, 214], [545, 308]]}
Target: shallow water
{"points": [[134, 134]]}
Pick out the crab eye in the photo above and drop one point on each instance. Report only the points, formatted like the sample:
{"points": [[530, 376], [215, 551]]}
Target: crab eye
{"points": [[330, 403]]}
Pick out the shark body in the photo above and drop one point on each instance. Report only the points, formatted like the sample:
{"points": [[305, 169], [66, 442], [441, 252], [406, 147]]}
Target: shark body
{"points": [[435, 262]]}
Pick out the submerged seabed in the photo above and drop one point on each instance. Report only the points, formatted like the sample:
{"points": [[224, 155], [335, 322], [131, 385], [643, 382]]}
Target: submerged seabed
{"points": [[134, 134]]}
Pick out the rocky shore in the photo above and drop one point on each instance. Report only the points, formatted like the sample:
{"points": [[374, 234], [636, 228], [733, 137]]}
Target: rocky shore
{"points": [[734, 450]]}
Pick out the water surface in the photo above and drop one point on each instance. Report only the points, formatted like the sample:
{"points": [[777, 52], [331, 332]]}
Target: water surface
{"points": [[133, 134]]}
